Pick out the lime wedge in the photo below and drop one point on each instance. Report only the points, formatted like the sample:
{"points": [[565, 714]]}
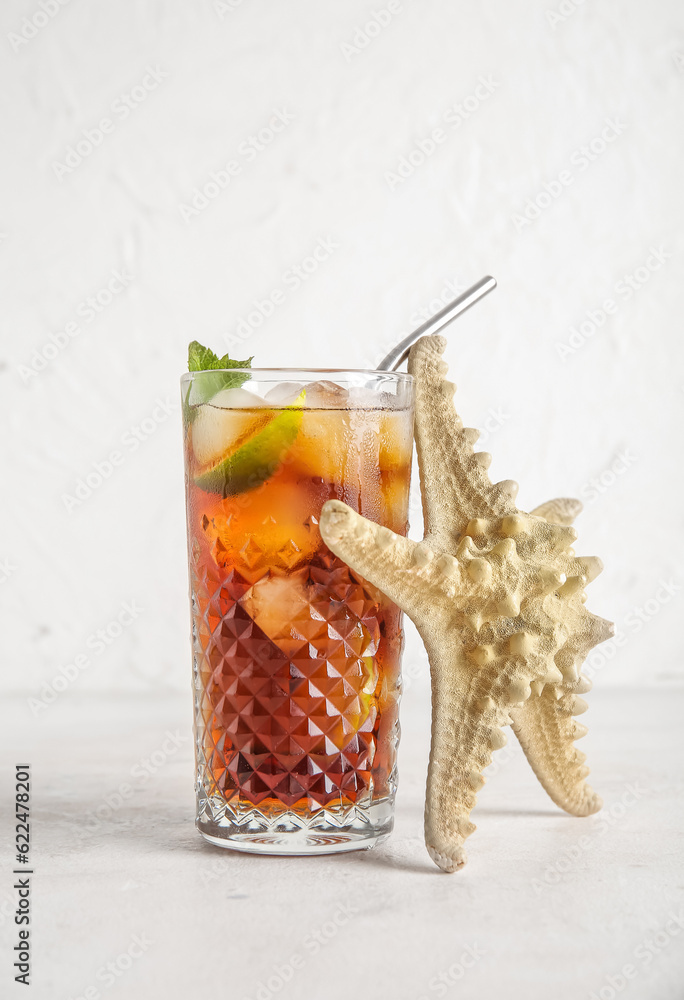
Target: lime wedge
{"points": [[219, 427], [257, 458]]}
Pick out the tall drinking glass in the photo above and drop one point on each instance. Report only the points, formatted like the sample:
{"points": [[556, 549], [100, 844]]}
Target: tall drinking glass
{"points": [[296, 659]]}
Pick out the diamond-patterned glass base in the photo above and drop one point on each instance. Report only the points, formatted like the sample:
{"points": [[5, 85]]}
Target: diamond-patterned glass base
{"points": [[328, 831], [296, 678]]}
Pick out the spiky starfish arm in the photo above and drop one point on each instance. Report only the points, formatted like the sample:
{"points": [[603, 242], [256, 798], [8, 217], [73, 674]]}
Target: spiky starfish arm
{"points": [[405, 570], [547, 730], [465, 730], [459, 487], [544, 724], [563, 510], [496, 595], [481, 662]]}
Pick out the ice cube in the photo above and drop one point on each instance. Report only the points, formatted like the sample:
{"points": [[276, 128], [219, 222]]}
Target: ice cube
{"points": [[218, 430], [283, 393], [234, 399], [365, 398], [327, 395], [273, 603]]}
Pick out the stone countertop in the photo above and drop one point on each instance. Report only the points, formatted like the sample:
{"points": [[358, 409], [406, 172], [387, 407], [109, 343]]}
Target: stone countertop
{"points": [[128, 900]]}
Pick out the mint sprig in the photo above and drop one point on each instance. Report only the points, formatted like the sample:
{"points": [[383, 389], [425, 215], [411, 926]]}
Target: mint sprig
{"points": [[203, 359]]}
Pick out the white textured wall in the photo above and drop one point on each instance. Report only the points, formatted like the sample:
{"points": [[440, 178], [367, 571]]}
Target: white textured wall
{"points": [[538, 81]]}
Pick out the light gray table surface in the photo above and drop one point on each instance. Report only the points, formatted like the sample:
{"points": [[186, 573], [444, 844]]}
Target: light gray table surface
{"points": [[548, 906]]}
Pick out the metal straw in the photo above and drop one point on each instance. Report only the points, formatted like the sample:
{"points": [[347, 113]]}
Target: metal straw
{"points": [[399, 354]]}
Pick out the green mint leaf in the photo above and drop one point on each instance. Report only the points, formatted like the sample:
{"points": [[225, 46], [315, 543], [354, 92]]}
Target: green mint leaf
{"points": [[202, 359]]}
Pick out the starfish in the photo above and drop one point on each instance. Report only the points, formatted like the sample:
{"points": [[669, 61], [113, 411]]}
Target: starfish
{"points": [[497, 596]]}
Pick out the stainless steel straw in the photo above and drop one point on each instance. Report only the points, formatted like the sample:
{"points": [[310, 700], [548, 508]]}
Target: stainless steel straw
{"points": [[398, 354]]}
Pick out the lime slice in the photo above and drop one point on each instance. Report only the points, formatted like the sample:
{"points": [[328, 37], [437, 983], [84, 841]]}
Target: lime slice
{"points": [[257, 458], [219, 427]]}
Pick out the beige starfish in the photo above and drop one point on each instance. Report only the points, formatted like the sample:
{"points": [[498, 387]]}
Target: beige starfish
{"points": [[498, 598]]}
